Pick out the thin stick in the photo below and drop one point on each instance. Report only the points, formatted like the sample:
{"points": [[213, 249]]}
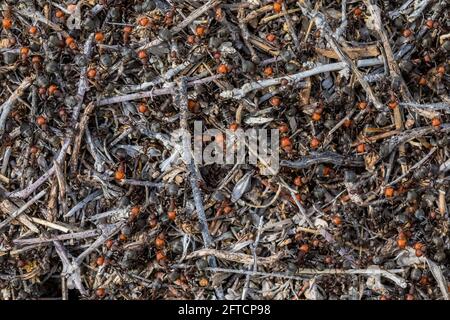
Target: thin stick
{"points": [[323, 25], [22, 209], [257, 273], [341, 30], [235, 257], [25, 193], [414, 167], [9, 208], [108, 232], [246, 35], [133, 182], [433, 106], [6, 107], [290, 26], [35, 15], [76, 235], [389, 274], [165, 77], [183, 24], [50, 224], [154, 92], [71, 269], [77, 141], [393, 66], [255, 265], [62, 187], [83, 83], [262, 84], [82, 203], [182, 100]]}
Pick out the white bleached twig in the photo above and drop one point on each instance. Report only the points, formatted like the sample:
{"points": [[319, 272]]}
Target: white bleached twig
{"points": [[239, 93]]}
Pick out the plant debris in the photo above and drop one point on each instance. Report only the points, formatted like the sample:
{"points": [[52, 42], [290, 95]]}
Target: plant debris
{"points": [[100, 198]]}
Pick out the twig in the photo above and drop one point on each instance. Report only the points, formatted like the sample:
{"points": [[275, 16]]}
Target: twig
{"points": [[50, 224], [414, 167], [255, 266], [107, 233], [235, 257], [181, 99], [25, 193], [401, 10], [433, 106], [246, 35], [77, 141], [71, 269], [262, 84], [22, 209], [395, 70], [324, 157], [323, 25], [344, 22], [133, 182], [82, 203], [62, 187], [34, 15], [183, 24], [165, 77], [9, 208], [389, 274], [76, 235], [83, 83], [290, 26], [418, 11], [408, 135], [257, 273], [154, 92]]}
